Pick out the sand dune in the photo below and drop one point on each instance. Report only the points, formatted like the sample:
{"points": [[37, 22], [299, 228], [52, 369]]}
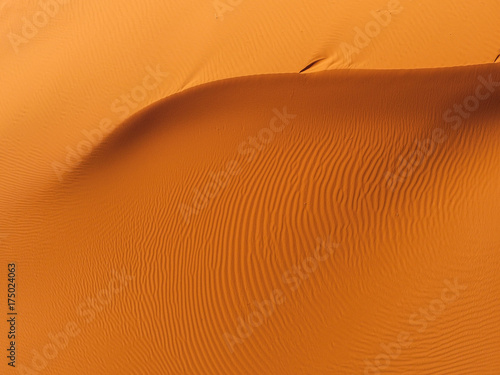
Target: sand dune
{"points": [[339, 222], [250, 187], [67, 65]]}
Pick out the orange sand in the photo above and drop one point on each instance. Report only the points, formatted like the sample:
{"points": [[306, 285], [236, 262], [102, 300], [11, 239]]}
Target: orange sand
{"points": [[178, 199]]}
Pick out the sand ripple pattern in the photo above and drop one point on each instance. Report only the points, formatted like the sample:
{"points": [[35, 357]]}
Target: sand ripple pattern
{"points": [[322, 176]]}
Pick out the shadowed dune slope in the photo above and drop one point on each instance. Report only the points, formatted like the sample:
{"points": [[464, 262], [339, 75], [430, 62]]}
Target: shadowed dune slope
{"points": [[281, 224], [85, 63], [69, 72]]}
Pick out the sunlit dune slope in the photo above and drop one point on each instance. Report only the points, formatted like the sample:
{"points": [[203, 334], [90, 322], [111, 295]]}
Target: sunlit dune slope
{"points": [[327, 223], [64, 72]]}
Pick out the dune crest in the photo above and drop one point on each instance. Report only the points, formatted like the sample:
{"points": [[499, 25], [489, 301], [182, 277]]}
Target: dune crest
{"points": [[261, 235]]}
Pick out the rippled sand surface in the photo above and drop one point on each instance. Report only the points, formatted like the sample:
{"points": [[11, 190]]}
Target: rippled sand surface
{"points": [[250, 187]]}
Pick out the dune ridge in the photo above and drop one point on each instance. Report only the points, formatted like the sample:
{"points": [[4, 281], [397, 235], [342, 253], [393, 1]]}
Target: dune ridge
{"points": [[199, 285]]}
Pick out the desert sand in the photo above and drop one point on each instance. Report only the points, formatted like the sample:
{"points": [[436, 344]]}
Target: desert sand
{"points": [[250, 187]]}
